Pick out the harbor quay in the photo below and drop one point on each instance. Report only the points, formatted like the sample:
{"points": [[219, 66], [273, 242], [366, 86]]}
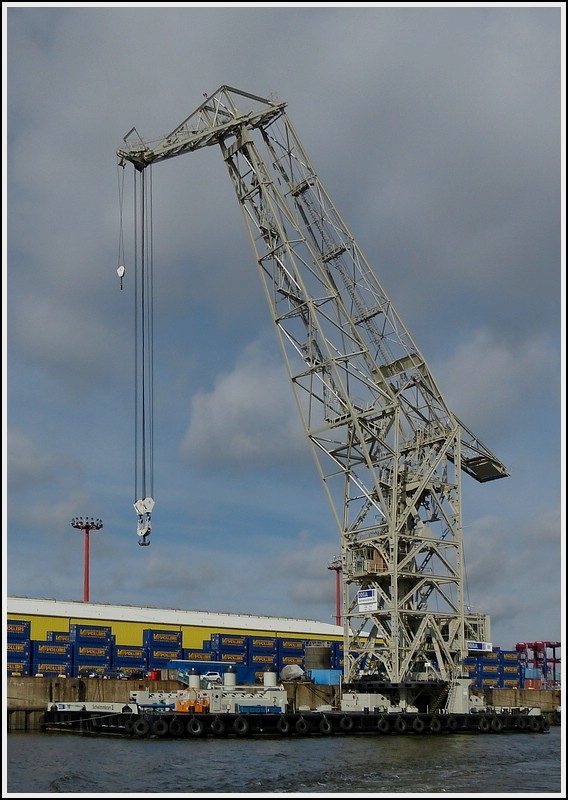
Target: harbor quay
{"points": [[28, 698]]}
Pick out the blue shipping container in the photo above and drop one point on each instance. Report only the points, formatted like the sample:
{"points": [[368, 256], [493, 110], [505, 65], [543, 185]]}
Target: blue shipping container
{"points": [[51, 668], [19, 649], [51, 651], [159, 656], [18, 629], [325, 677], [96, 653], [263, 643], [161, 638], [224, 641], [125, 653], [90, 633], [13, 666], [58, 636]]}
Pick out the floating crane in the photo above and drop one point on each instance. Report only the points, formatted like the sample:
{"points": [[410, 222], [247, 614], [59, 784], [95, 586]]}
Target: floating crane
{"points": [[388, 450]]}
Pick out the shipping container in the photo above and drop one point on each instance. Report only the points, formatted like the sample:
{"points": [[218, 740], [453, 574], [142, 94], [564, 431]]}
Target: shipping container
{"points": [[19, 649], [58, 636], [533, 673], [290, 659], [124, 654], [51, 651], [97, 654], [223, 641], [162, 638], [18, 667], [159, 656], [51, 668], [262, 643], [532, 683], [18, 629], [290, 645], [134, 672], [229, 657], [86, 670], [325, 677], [262, 659], [197, 655], [95, 634], [509, 655]]}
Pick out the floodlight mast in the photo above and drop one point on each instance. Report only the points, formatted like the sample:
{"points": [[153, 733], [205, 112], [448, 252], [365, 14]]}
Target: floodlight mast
{"points": [[388, 450], [86, 525]]}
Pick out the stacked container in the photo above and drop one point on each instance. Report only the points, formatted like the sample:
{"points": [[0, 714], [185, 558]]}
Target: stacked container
{"points": [[500, 669], [161, 646], [52, 658], [262, 654], [92, 649], [232, 648], [18, 647], [129, 658], [290, 651]]}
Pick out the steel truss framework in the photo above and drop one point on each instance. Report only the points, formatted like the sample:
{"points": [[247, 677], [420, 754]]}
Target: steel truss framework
{"points": [[388, 450]]}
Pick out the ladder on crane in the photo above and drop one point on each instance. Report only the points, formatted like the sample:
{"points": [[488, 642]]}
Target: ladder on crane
{"points": [[388, 450]]}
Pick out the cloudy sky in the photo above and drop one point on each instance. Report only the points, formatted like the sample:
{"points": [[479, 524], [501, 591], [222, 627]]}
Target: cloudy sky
{"points": [[436, 131]]}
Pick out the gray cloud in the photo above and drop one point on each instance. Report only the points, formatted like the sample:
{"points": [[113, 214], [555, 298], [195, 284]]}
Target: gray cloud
{"points": [[436, 132]]}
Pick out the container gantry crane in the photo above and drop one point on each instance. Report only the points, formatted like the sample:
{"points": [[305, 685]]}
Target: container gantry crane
{"points": [[388, 450]]}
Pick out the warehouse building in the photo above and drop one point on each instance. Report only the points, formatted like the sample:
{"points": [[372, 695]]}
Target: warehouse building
{"points": [[61, 637]]}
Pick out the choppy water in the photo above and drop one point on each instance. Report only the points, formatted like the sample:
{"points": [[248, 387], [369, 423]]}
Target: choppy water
{"points": [[38, 764]]}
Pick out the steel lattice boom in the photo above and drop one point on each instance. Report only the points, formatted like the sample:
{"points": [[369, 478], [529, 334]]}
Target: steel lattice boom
{"points": [[388, 450]]}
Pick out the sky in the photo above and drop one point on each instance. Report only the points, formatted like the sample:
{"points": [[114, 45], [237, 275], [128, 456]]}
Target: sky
{"points": [[438, 132]]}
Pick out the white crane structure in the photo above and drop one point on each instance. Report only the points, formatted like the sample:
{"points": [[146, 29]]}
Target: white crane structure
{"points": [[388, 450]]}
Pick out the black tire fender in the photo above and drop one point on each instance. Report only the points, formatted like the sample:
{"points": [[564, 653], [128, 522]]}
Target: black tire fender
{"points": [[176, 727], [522, 723], [451, 723], [302, 725], [435, 725], [497, 725], [283, 726], [218, 726], [241, 726], [194, 727], [400, 725], [534, 724], [160, 726], [383, 725], [484, 725], [325, 726], [129, 726], [418, 725], [346, 723], [142, 727]]}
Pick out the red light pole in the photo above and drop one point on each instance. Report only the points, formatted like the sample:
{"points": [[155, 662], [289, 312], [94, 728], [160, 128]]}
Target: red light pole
{"points": [[87, 525], [337, 567]]}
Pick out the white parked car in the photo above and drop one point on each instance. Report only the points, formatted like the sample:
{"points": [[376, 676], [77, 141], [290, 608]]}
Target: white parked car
{"points": [[212, 677]]}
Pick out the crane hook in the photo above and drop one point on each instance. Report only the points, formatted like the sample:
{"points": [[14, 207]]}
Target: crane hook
{"points": [[144, 528]]}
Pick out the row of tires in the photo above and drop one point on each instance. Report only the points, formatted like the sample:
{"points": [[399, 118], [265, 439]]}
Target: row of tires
{"points": [[195, 726]]}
